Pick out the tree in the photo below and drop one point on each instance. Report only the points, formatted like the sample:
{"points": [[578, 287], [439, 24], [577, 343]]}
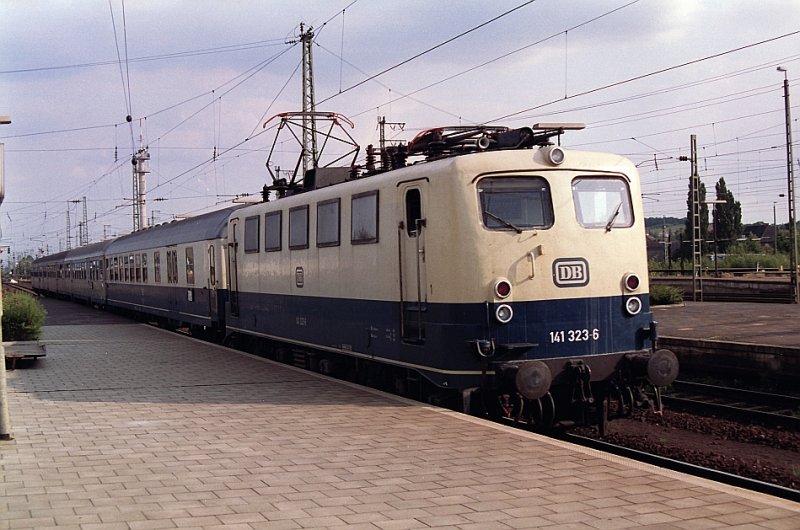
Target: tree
{"points": [[686, 248], [727, 217]]}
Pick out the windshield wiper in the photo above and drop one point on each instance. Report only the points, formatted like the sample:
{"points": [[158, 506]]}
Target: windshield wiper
{"points": [[503, 221], [613, 217]]}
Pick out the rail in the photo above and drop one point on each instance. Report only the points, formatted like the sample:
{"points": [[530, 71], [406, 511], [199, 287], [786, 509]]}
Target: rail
{"points": [[772, 410], [684, 467]]}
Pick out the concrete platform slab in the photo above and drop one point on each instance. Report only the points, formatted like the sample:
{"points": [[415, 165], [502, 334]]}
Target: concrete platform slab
{"points": [[126, 426]]}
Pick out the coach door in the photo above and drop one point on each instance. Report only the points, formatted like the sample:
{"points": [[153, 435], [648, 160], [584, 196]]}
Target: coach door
{"points": [[413, 283], [212, 281], [233, 258]]}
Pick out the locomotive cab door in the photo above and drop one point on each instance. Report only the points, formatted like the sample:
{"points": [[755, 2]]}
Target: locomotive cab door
{"points": [[413, 278], [233, 244]]}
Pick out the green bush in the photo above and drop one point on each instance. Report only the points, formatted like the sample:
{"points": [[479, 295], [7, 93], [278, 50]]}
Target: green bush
{"points": [[23, 317], [665, 295]]}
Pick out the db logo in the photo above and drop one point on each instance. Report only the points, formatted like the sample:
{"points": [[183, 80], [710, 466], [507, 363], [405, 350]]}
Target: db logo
{"points": [[570, 272]]}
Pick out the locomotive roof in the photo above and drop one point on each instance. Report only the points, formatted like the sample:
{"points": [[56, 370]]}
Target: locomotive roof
{"points": [[210, 225]]}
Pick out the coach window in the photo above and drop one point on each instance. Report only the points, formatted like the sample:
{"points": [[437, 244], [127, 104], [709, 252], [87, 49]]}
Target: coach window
{"points": [[132, 265], [251, 235], [172, 266], [364, 218], [138, 267], [328, 223], [602, 202], [157, 266], [298, 227], [144, 268], [515, 203], [273, 224], [126, 268], [190, 264]]}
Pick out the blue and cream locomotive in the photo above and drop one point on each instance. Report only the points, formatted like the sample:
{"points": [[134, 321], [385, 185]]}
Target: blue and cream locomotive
{"points": [[502, 273]]}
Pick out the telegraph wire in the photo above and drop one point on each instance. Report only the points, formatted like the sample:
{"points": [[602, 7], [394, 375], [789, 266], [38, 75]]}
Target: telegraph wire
{"points": [[149, 58], [424, 52], [649, 74]]}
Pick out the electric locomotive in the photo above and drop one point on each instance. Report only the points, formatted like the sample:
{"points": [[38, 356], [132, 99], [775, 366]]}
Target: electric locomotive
{"points": [[500, 274], [502, 270]]}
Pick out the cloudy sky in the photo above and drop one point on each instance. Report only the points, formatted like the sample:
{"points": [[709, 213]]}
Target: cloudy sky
{"points": [[200, 77]]}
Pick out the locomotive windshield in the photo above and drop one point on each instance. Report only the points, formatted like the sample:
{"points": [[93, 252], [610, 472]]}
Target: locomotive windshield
{"points": [[602, 202], [515, 203]]}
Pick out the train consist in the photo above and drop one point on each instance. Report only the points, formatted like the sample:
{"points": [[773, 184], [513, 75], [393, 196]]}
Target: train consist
{"points": [[501, 274]]}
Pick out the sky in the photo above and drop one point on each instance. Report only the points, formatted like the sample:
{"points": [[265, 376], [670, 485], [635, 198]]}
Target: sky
{"points": [[199, 78]]}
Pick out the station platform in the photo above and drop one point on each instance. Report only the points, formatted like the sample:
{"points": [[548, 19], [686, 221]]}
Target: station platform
{"points": [[751, 323], [125, 426]]}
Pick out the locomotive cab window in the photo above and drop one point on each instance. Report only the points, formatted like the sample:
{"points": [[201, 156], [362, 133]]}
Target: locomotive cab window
{"points": [[515, 203], [602, 202]]}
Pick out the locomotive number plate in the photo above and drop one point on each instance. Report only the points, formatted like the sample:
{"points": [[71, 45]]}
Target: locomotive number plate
{"points": [[574, 335]]}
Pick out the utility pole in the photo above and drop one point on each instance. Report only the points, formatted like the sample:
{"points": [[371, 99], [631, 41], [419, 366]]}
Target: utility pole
{"points": [[309, 104], [69, 227], [382, 123], [790, 185], [697, 233], [84, 232]]}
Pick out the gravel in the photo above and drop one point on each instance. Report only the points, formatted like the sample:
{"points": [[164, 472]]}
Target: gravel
{"points": [[752, 451]]}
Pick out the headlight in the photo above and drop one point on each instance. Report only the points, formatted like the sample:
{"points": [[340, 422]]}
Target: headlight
{"points": [[555, 155], [504, 313], [633, 305]]}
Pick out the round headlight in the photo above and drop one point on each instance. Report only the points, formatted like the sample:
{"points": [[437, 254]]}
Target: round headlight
{"points": [[555, 155], [504, 313], [632, 281], [633, 305], [502, 288]]}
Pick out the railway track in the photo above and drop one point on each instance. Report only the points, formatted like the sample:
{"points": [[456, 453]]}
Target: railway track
{"points": [[683, 467], [771, 410]]}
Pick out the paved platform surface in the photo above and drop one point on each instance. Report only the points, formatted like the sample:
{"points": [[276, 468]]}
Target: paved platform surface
{"points": [[772, 324], [124, 426]]}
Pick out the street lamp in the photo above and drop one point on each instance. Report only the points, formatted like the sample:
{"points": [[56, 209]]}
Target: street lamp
{"points": [[790, 185], [5, 421]]}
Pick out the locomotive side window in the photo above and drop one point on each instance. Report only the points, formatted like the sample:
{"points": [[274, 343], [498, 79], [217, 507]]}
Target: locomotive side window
{"points": [[328, 223], [251, 234], [515, 203], [364, 218], [602, 202], [273, 224], [298, 227]]}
